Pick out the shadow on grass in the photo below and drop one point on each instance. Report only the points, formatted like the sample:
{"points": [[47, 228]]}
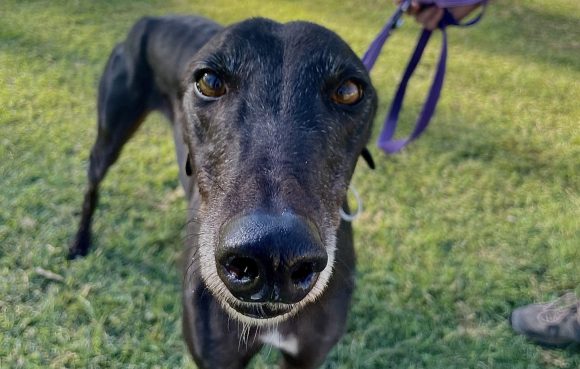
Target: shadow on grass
{"points": [[523, 31], [58, 28], [516, 29]]}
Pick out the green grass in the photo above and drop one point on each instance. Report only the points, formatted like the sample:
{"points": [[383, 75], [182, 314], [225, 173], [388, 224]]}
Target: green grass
{"points": [[476, 218]]}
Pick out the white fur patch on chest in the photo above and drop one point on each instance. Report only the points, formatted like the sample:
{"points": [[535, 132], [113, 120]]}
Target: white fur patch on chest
{"points": [[288, 344]]}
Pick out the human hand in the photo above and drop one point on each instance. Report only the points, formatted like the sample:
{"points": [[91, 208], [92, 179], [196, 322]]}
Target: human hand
{"points": [[430, 16]]}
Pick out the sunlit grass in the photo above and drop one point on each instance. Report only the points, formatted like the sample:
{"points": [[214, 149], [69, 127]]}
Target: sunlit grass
{"points": [[476, 218]]}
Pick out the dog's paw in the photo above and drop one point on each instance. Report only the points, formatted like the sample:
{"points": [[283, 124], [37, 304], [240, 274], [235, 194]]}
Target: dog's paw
{"points": [[80, 246]]}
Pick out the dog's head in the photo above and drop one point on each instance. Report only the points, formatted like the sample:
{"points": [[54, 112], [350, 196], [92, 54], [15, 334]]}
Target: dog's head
{"points": [[276, 117]]}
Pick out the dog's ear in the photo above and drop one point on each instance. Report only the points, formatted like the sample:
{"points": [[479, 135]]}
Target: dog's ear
{"points": [[366, 154], [188, 169]]}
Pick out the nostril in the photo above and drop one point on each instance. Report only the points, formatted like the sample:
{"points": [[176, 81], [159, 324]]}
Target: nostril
{"points": [[269, 257], [304, 275], [242, 270]]}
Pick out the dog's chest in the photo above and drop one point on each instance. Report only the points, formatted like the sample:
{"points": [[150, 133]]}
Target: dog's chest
{"points": [[287, 343]]}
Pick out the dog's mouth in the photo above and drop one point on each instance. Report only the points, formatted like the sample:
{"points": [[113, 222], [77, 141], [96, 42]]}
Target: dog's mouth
{"points": [[261, 311], [266, 278]]}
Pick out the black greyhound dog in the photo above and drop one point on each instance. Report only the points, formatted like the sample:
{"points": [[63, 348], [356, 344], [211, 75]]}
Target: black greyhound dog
{"points": [[269, 120]]}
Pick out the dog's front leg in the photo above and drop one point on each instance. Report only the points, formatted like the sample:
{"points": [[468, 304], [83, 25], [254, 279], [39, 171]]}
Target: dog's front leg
{"points": [[311, 337], [213, 338]]}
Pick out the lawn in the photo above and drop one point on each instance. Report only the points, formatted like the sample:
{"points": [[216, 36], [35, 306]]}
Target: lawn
{"points": [[479, 216]]}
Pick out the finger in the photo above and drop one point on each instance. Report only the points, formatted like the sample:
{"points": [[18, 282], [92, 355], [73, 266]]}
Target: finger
{"points": [[425, 14], [430, 17], [414, 8], [433, 22]]}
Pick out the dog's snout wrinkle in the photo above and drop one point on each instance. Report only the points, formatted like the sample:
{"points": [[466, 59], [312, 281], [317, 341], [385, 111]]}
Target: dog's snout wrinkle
{"points": [[270, 258]]}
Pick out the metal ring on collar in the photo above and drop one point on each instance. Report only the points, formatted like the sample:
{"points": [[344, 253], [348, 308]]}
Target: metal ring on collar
{"points": [[359, 207]]}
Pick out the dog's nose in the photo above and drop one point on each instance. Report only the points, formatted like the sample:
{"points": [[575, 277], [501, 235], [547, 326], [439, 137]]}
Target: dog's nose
{"points": [[270, 258]]}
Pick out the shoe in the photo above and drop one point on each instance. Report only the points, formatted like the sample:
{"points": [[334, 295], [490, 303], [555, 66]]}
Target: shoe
{"points": [[555, 324]]}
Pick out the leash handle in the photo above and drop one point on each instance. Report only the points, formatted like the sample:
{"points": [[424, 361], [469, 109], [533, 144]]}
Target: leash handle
{"points": [[386, 141]]}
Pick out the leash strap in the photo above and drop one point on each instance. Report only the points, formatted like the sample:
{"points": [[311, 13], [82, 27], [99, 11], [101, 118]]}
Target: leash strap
{"points": [[386, 141]]}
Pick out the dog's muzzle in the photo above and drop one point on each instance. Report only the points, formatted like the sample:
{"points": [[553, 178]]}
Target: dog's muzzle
{"points": [[269, 261]]}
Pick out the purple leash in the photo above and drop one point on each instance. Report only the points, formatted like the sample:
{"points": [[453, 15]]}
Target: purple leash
{"points": [[386, 141]]}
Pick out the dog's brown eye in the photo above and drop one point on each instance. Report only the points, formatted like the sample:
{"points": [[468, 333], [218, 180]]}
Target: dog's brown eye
{"points": [[210, 85], [348, 93]]}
